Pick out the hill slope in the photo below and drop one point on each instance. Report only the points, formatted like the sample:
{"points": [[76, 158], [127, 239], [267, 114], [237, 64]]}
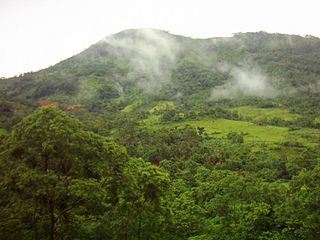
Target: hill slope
{"points": [[178, 138], [155, 65]]}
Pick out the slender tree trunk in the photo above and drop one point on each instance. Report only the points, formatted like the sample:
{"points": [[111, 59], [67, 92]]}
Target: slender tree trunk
{"points": [[45, 159], [139, 229], [52, 219], [49, 201], [126, 232], [34, 224]]}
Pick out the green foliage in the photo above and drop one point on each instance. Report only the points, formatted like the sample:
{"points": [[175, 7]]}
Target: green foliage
{"points": [[155, 146], [59, 181], [168, 162], [11, 112], [300, 211], [193, 76], [235, 137]]}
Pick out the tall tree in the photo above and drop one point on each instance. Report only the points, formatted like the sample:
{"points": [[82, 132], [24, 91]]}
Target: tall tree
{"points": [[46, 156]]}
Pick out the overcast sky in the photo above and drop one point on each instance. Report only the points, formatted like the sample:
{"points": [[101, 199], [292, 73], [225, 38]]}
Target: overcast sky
{"points": [[38, 33]]}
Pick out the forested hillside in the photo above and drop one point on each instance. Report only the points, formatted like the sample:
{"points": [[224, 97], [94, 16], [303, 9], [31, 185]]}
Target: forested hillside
{"points": [[150, 135]]}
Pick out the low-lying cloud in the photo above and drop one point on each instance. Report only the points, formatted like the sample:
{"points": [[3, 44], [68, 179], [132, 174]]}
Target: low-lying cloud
{"points": [[245, 81], [151, 54]]}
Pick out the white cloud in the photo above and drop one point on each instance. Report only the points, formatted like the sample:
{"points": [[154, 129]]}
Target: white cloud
{"points": [[152, 55], [247, 80]]}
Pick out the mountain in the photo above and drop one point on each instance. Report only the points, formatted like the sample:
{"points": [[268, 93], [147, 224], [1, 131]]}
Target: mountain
{"points": [[156, 65], [150, 135]]}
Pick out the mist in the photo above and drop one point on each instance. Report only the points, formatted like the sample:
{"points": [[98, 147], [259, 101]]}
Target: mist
{"points": [[151, 55], [246, 80]]}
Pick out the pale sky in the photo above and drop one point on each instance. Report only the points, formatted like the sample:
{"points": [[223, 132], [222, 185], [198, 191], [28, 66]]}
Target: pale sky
{"points": [[35, 34]]}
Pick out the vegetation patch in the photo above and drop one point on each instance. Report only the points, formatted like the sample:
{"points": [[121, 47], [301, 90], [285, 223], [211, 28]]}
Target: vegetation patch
{"points": [[152, 120], [162, 106], [252, 132], [266, 113], [133, 106], [307, 136], [2, 131]]}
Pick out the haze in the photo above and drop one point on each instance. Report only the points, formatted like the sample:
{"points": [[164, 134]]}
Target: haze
{"points": [[38, 33]]}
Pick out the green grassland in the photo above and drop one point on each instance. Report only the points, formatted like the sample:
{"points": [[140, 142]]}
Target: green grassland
{"points": [[158, 107], [266, 113], [154, 117], [221, 127], [252, 132], [161, 106]]}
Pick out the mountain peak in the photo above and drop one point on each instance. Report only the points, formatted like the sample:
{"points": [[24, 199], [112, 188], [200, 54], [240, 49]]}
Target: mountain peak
{"points": [[137, 33]]}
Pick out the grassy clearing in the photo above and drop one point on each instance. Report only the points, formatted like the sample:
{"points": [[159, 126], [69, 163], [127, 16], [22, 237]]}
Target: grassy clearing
{"points": [[154, 118], [267, 113], [253, 132], [221, 127], [270, 134], [162, 105]]}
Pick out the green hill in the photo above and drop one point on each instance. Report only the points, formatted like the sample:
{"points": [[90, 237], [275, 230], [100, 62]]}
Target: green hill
{"points": [[150, 135], [266, 79]]}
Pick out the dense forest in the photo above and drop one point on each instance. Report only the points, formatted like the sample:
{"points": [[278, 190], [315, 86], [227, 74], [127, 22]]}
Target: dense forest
{"points": [[150, 135]]}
